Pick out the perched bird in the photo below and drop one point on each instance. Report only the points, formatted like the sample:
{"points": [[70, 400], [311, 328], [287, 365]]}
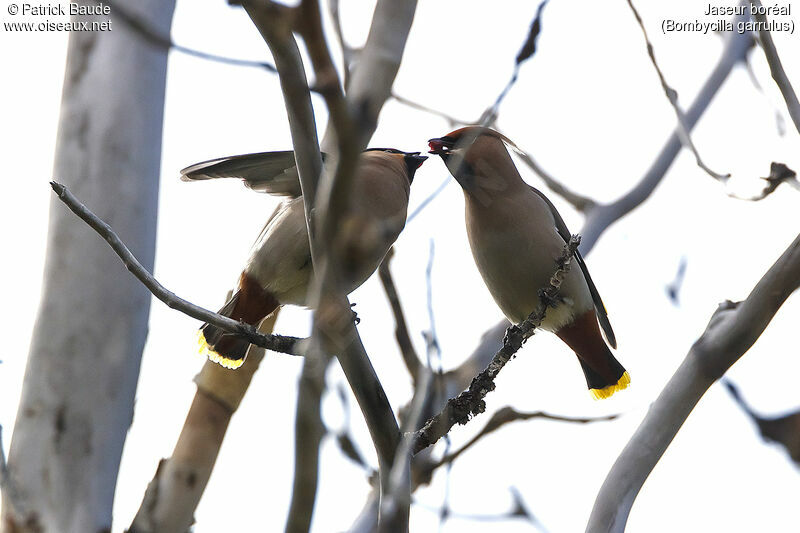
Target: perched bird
{"points": [[279, 269], [516, 234]]}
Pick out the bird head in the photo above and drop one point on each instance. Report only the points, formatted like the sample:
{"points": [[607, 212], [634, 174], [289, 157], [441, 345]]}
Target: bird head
{"points": [[476, 157], [412, 160]]}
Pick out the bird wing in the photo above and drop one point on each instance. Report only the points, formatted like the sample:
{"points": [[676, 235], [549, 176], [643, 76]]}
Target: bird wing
{"points": [[270, 172], [600, 308]]}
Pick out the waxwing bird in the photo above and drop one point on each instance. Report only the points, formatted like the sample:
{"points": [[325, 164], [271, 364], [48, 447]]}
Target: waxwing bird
{"points": [[279, 269], [516, 234]]}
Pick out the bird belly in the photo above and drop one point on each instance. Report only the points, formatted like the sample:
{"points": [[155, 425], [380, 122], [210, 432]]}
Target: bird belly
{"points": [[281, 258], [515, 265]]}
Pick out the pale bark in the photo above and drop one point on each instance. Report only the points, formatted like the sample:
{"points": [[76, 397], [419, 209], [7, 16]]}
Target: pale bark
{"points": [[77, 397], [732, 330], [172, 496]]}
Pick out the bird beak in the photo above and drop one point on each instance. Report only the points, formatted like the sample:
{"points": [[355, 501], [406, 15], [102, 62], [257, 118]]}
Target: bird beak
{"points": [[458, 167], [413, 162], [440, 146], [415, 159]]}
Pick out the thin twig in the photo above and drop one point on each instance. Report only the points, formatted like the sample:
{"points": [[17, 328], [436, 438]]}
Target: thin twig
{"points": [[166, 43], [778, 173], [308, 433], [396, 503], [508, 414], [519, 510], [599, 218], [451, 120], [431, 337], [275, 343], [780, 122], [347, 51], [527, 51], [578, 201], [462, 408], [775, 66], [424, 203], [410, 357], [672, 96], [331, 328], [673, 289]]}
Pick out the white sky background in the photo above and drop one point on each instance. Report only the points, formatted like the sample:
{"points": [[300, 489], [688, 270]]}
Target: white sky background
{"points": [[590, 108]]}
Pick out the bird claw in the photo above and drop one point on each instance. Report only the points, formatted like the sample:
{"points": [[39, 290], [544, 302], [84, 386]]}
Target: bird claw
{"points": [[356, 320]]}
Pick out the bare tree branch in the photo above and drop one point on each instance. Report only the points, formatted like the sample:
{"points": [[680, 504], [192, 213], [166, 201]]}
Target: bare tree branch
{"points": [[508, 414], [672, 95], [784, 430], [410, 357], [396, 503], [578, 201], [518, 510], [166, 43], [526, 52], [276, 343], [368, 90], [599, 218], [274, 22], [172, 495], [451, 120], [470, 402], [780, 123], [775, 66], [332, 324], [348, 52], [308, 435], [732, 330], [778, 173], [673, 289], [424, 203], [378, 63]]}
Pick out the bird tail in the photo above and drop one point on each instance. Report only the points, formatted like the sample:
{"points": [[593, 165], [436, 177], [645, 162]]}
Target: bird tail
{"points": [[604, 374], [600, 387], [249, 304]]}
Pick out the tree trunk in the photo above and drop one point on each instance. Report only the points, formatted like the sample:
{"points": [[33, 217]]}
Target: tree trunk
{"points": [[80, 381]]}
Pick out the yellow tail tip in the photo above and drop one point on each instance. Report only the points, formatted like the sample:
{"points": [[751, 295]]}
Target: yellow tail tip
{"points": [[215, 357], [607, 392]]}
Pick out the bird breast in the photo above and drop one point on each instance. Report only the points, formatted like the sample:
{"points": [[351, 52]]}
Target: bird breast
{"points": [[515, 245], [281, 257]]}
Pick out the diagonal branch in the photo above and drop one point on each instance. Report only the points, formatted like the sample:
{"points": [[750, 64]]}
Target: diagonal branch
{"points": [[308, 433], [599, 218], [507, 415], [410, 357], [165, 42], [672, 95], [276, 343], [462, 408], [732, 330], [775, 66], [172, 495], [451, 120], [578, 201]]}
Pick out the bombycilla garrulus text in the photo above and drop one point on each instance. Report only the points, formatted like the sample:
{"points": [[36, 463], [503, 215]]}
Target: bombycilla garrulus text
{"points": [[279, 269], [516, 234]]}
